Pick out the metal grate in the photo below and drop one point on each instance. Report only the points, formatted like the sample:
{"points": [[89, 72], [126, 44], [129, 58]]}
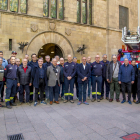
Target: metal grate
{"points": [[15, 137]]}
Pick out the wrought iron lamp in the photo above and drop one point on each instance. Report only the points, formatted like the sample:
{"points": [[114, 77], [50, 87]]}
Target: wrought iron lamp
{"points": [[22, 45]]}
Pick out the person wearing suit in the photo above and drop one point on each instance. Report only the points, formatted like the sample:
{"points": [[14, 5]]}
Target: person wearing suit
{"points": [[53, 75], [83, 71]]}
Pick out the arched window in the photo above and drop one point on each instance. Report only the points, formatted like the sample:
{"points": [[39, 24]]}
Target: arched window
{"points": [[23, 6], [84, 11], [46, 8], [61, 9], [53, 8], [3, 4], [14, 5]]}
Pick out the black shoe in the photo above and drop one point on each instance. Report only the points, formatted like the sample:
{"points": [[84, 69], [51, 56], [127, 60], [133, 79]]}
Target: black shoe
{"points": [[13, 104], [102, 98], [138, 101], [9, 107]]}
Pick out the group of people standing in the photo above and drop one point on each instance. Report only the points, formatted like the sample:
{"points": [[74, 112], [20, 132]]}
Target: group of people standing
{"points": [[56, 78]]}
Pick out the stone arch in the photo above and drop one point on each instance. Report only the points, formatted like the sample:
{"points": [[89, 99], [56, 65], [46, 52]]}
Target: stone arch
{"points": [[46, 37]]}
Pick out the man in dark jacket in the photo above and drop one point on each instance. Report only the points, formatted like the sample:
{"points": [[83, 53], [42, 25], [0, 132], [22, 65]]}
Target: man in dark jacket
{"points": [[62, 85], [40, 80], [112, 78], [104, 81], [33, 64], [47, 64], [24, 80], [134, 86], [75, 78], [96, 72], [83, 71], [138, 84], [1, 77], [4, 64], [126, 78], [69, 73], [11, 82]]}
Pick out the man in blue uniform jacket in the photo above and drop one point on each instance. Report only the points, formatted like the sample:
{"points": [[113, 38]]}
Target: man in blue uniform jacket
{"points": [[83, 71], [69, 73], [10, 73], [96, 72]]}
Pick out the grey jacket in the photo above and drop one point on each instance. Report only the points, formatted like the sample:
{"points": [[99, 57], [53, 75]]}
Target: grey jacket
{"points": [[51, 75], [109, 71]]}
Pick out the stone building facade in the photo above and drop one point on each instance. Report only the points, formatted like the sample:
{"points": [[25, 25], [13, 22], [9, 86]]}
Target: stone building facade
{"points": [[47, 35]]}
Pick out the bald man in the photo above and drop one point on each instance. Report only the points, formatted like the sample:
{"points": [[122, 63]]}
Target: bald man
{"points": [[69, 73], [96, 72]]}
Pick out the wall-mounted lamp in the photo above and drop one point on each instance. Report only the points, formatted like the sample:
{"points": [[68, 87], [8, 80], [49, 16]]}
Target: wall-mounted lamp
{"points": [[81, 49], [22, 45]]}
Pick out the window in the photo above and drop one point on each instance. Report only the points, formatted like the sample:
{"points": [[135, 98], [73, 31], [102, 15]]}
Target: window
{"points": [[90, 12], [46, 8], [123, 17], [3, 4], [23, 6], [84, 11], [78, 11], [14, 5], [61, 9], [53, 8], [10, 44]]}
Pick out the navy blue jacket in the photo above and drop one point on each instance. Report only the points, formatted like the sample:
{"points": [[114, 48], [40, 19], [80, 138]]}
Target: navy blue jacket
{"points": [[97, 68], [35, 74], [61, 73], [83, 72], [69, 69], [47, 64], [105, 68], [126, 73], [10, 71]]}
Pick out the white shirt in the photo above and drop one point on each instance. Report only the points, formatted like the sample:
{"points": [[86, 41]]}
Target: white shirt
{"points": [[84, 66]]}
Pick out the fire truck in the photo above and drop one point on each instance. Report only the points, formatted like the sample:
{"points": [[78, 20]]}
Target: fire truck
{"points": [[131, 49]]}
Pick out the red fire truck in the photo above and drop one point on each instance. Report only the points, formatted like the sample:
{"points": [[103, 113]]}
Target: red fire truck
{"points": [[131, 49]]}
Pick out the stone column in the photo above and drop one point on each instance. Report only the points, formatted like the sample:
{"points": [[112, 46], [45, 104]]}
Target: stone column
{"points": [[8, 9], [19, 6], [87, 11], [57, 9]]}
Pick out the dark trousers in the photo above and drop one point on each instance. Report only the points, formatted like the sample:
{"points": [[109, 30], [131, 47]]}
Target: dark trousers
{"points": [[54, 92], [31, 92], [21, 93], [67, 84], [76, 84], [40, 89], [97, 80], [138, 88], [104, 81], [1, 86], [82, 91], [2, 91], [128, 86], [134, 89], [11, 86], [62, 89], [89, 86]]}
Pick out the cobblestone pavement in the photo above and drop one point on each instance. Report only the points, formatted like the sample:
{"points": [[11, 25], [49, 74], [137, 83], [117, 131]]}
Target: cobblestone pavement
{"points": [[96, 121]]}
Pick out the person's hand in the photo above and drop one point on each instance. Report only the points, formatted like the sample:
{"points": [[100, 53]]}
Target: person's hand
{"points": [[30, 84], [108, 81], [132, 82], [18, 84], [119, 82], [85, 78], [70, 77]]}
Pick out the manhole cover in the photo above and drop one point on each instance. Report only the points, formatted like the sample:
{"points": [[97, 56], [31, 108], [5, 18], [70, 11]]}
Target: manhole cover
{"points": [[133, 136], [15, 137]]}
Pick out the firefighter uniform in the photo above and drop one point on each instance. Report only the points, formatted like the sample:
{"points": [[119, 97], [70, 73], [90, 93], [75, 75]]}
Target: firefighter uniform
{"points": [[11, 83], [96, 72], [69, 70]]}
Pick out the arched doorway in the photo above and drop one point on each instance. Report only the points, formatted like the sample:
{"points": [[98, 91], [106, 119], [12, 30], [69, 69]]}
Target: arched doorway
{"points": [[49, 37], [50, 49]]}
